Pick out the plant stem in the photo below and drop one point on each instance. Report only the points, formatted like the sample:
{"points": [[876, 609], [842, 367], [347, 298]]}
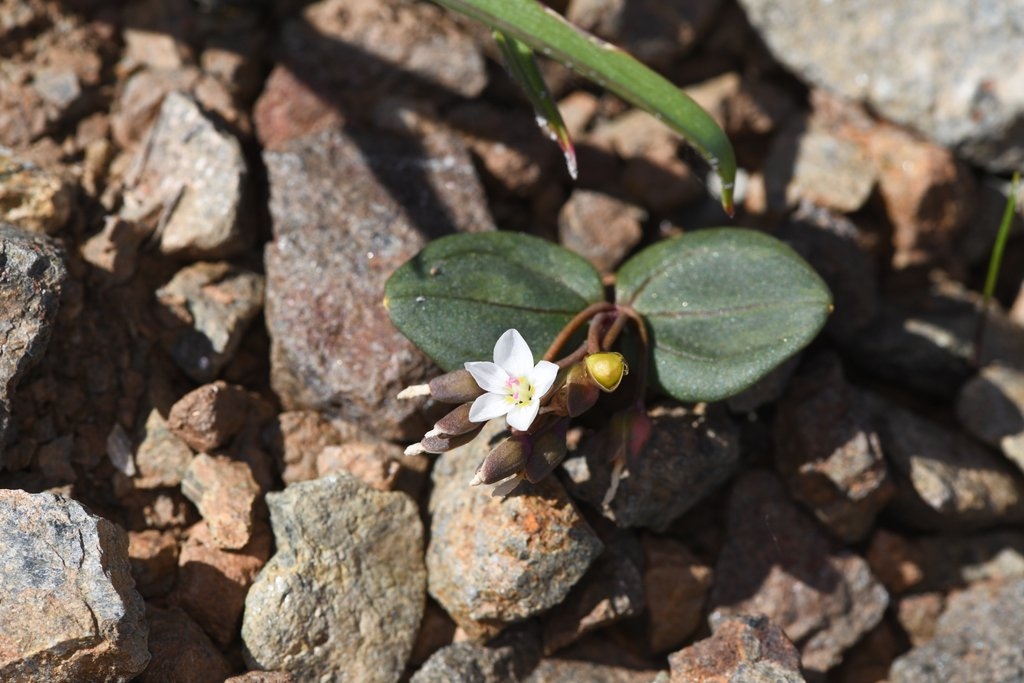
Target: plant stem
{"points": [[993, 266], [575, 324]]}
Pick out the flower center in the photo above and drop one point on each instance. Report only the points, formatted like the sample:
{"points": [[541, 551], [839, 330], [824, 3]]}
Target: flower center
{"points": [[520, 390]]}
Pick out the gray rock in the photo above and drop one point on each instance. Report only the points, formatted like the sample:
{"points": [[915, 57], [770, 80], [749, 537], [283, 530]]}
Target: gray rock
{"points": [[688, 456], [574, 671], [951, 72], [349, 208], [507, 660], [828, 451], [743, 649], [945, 480], [493, 561], [977, 639], [31, 277], [70, 611], [193, 177], [208, 309], [991, 406], [777, 562], [344, 594]]}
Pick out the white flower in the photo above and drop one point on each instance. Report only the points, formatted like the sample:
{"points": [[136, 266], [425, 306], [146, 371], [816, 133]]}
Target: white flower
{"points": [[514, 385]]}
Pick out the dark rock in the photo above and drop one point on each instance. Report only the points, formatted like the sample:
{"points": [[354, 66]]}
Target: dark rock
{"points": [[344, 593], [571, 671], [742, 648], [688, 456], [70, 611], [333, 349], [32, 275], [225, 492], [210, 416], [828, 453], [919, 614], [991, 407], [207, 311], [494, 561], [153, 556], [676, 584], [977, 639], [777, 562], [506, 660], [181, 651]]}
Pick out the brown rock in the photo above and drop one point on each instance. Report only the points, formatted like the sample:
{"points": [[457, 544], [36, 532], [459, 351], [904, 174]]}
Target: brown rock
{"points": [[778, 563], [139, 102], [153, 556], [676, 584], [572, 671], [262, 677], [162, 457], [896, 562], [225, 493], [181, 651], [600, 228], [32, 198], [289, 107], [210, 416], [296, 439], [114, 250], [870, 659], [212, 582], [380, 464], [436, 630], [828, 452], [918, 614], [742, 648]]}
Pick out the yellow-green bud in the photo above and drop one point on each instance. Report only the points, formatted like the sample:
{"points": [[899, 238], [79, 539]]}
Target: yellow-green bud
{"points": [[457, 386], [607, 369]]}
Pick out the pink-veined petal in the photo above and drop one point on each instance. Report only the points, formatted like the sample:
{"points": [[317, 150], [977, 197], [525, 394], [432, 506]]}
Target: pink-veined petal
{"points": [[521, 417], [488, 407], [489, 376], [513, 354], [543, 377]]}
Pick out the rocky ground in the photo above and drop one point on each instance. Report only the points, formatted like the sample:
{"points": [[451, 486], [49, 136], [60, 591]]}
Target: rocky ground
{"points": [[202, 473]]}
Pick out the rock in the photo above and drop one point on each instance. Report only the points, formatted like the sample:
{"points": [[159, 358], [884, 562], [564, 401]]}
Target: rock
{"points": [[676, 584], [571, 671], [690, 453], [208, 308], [745, 109], [494, 561], [197, 176], [114, 250], [918, 614], [296, 439], [507, 659], [32, 198], [32, 276], [70, 611], [225, 492], [181, 651], [945, 480], [869, 660], [153, 556], [751, 649], [612, 589], [210, 416], [262, 677], [290, 107], [333, 349], [161, 458], [138, 103], [654, 32], [991, 407], [600, 228], [344, 593], [212, 582], [776, 562], [436, 631], [828, 452], [951, 73], [977, 639], [381, 464]]}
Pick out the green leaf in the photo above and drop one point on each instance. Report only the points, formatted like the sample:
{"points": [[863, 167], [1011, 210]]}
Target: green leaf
{"points": [[521, 65], [723, 308], [550, 34], [457, 296]]}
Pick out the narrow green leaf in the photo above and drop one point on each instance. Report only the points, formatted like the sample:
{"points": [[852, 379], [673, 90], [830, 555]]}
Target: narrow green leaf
{"points": [[549, 33], [723, 307], [522, 66], [457, 296]]}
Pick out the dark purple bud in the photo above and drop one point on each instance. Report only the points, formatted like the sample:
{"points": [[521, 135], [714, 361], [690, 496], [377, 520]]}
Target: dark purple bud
{"points": [[456, 422], [507, 458], [577, 394], [457, 386], [548, 451], [442, 443]]}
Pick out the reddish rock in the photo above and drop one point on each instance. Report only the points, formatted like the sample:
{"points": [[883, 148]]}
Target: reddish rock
{"points": [[290, 108], [742, 648], [210, 416], [676, 584], [296, 439], [161, 457], [153, 556], [181, 651], [212, 582], [225, 493], [600, 228], [896, 562]]}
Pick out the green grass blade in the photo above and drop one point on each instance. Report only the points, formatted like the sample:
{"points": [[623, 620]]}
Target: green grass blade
{"points": [[1004, 230], [550, 34]]}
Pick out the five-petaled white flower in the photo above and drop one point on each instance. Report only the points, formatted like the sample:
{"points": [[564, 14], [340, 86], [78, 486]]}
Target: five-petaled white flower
{"points": [[514, 385]]}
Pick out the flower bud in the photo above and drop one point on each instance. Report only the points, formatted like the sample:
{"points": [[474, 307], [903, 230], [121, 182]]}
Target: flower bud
{"points": [[442, 443], [548, 452], [607, 369], [577, 394], [507, 458], [456, 422], [457, 386]]}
